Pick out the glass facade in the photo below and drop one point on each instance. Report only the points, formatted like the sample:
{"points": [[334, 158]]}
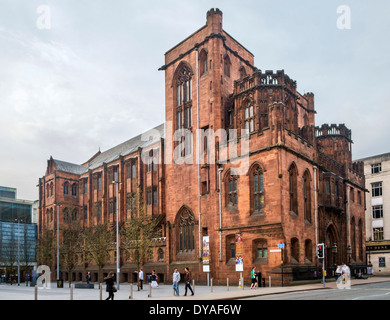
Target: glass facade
{"points": [[6, 192], [12, 211], [18, 242]]}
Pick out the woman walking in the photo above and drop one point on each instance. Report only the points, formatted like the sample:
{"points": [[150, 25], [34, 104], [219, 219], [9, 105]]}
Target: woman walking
{"points": [[154, 279], [110, 288]]}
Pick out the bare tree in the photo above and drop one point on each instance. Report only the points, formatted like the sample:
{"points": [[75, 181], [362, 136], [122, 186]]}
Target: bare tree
{"points": [[46, 246], [137, 235], [98, 241], [71, 246]]}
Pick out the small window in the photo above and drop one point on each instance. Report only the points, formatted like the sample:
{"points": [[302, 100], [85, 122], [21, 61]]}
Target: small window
{"points": [[376, 189], [66, 189], [226, 64], [378, 234], [203, 62], [376, 168], [232, 199], [249, 118], [377, 212], [74, 190]]}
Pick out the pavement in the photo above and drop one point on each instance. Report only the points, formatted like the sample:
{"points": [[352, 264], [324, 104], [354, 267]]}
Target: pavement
{"points": [[164, 292]]}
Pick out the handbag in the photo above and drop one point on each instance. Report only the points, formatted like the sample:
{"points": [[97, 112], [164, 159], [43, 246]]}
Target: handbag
{"points": [[114, 289]]}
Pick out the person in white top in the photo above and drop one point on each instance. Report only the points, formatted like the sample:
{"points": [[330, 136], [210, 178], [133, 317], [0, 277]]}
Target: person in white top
{"points": [[176, 280], [141, 278]]}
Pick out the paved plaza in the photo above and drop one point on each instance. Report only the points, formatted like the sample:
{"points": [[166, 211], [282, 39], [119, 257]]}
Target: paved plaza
{"points": [[164, 292]]}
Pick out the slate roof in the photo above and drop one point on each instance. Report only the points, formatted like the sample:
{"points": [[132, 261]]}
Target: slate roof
{"points": [[123, 149]]}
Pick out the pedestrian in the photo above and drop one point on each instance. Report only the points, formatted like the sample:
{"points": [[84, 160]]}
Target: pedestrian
{"points": [[345, 272], [154, 279], [253, 278], [110, 288], [338, 271], [141, 278], [188, 281], [88, 277], [176, 280]]}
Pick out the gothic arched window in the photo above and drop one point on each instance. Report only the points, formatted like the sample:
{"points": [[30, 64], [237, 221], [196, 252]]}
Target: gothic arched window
{"points": [[183, 88], [257, 189], [293, 191], [307, 196], [186, 230], [231, 190]]}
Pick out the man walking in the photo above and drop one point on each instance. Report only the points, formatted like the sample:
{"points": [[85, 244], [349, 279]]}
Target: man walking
{"points": [[141, 278], [176, 280], [188, 281]]}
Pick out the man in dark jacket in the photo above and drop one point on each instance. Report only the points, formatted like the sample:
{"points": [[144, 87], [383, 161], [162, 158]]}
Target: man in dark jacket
{"points": [[188, 281]]}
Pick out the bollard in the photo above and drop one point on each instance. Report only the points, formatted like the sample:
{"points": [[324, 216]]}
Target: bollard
{"points": [[131, 291], [211, 287], [101, 291], [269, 281], [227, 283], [193, 285], [36, 292], [150, 290], [242, 279], [71, 292]]}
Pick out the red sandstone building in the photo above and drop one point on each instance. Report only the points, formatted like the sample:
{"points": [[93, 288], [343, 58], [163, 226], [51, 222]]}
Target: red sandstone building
{"points": [[289, 181]]}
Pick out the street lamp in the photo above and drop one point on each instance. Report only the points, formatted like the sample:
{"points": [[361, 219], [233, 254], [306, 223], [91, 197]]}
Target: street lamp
{"points": [[58, 244], [117, 234], [18, 220], [349, 252]]}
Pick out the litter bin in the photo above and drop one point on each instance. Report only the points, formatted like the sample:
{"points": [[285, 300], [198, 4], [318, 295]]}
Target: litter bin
{"points": [[60, 284]]}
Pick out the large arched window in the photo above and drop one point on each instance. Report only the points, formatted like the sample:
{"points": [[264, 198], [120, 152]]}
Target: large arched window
{"points": [[257, 189], [186, 230], [293, 190], [183, 89], [307, 196]]}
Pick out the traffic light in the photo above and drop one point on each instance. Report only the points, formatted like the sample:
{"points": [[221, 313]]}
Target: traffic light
{"points": [[320, 251]]}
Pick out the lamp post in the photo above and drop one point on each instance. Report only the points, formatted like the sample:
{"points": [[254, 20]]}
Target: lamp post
{"points": [[117, 234], [58, 243], [18, 220], [349, 252]]}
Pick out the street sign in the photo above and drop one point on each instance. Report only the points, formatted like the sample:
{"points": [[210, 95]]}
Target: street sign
{"points": [[281, 245]]}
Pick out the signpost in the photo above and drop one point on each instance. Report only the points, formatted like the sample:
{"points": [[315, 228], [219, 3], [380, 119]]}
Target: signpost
{"points": [[206, 256], [281, 247]]}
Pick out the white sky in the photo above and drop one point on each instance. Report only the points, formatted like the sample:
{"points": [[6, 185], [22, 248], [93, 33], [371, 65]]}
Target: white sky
{"points": [[92, 79]]}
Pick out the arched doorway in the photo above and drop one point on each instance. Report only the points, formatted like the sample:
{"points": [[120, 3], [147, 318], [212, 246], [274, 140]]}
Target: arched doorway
{"points": [[332, 246]]}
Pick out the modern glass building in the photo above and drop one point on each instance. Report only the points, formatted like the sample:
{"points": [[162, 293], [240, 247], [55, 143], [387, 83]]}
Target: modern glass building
{"points": [[18, 236]]}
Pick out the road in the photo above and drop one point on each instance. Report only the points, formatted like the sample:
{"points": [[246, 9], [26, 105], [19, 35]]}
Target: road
{"points": [[372, 291]]}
